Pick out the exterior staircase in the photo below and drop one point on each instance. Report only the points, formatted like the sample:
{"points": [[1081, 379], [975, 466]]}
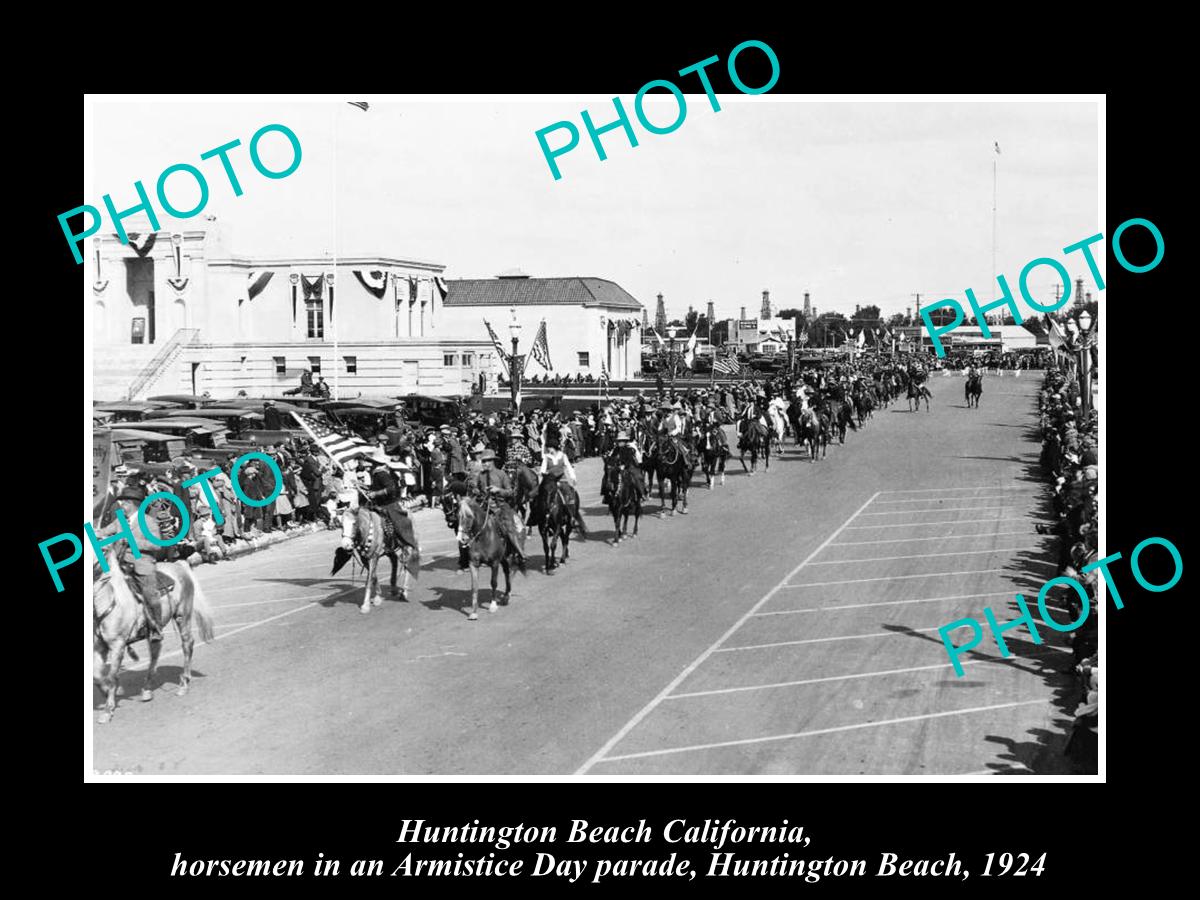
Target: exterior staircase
{"points": [[167, 354]]}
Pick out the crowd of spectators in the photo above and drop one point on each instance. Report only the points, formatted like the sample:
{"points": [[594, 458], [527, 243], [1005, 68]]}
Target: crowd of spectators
{"points": [[1070, 458]]}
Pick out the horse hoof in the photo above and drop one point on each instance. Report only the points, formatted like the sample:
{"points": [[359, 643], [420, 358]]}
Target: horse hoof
{"points": [[147, 695], [493, 607], [104, 718], [402, 597], [182, 692], [364, 609], [377, 601], [472, 617]]}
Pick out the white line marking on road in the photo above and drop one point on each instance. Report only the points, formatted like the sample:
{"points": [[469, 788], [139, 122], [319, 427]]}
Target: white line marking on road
{"points": [[892, 578], [824, 640], [780, 684], [939, 500], [598, 756], [936, 537], [944, 522], [834, 562], [908, 512], [788, 612], [1032, 493], [819, 731], [229, 634]]}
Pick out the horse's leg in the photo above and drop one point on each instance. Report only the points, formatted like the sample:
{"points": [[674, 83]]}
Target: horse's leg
{"points": [[188, 642], [566, 539], [507, 581], [116, 653], [394, 560], [148, 684], [474, 614], [547, 559], [369, 578], [495, 574]]}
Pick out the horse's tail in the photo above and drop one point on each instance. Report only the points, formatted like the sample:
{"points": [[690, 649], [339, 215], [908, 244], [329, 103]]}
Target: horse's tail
{"points": [[201, 611]]}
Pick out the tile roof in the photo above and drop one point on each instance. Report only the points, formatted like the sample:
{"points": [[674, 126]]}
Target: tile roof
{"points": [[538, 292]]}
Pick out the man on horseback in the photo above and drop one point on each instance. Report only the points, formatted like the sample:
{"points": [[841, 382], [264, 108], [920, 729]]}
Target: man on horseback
{"points": [[672, 426], [384, 494], [626, 455], [493, 487], [141, 567]]}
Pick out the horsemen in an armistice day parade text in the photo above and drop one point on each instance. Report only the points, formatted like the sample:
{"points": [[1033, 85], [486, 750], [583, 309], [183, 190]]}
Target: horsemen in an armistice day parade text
{"points": [[496, 476]]}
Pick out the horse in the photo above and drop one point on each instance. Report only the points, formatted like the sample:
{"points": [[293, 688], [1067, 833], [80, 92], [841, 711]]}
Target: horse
{"points": [[672, 466], [917, 391], [479, 532], [714, 451], [863, 406], [755, 438], [973, 390], [841, 417], [625, 492], [558, 517], [525, 488], [808, 432], [777, 420], [366, 538], [118, 620]]}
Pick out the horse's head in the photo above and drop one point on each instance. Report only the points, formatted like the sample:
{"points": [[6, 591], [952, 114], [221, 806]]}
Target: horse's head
{"points": [[468, 514], [349, 526]]}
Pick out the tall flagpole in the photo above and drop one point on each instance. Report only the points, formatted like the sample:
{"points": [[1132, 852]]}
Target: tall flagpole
{"points": [[994, 184], [332, 321]]}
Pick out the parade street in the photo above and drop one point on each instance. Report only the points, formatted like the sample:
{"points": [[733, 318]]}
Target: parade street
{"points": [[787, 626]]}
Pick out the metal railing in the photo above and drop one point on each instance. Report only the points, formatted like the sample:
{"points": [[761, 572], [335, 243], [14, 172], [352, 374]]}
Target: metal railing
{"points": [[165, 356]]}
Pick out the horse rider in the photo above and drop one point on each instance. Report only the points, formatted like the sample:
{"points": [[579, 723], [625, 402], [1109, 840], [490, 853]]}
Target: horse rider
{"points": [[495, 487], [672, 426], [626, 455], [383, 495], [556, 472], [144, 572]]}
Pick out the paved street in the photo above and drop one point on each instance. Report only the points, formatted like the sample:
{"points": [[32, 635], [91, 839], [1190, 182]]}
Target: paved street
{"points": [[788, 625]]}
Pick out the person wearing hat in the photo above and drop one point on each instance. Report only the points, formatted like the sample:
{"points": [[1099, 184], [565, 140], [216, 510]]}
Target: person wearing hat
{"points": [[493, 485], [145, 573], [272, 419], [626, 455], [517, 454], [433, 465], [383, 494], [557, 473], [672, 426]]}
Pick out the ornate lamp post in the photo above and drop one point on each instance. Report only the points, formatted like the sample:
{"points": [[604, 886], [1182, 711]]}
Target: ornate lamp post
{"points": [[1086, 340], [514, 374]]}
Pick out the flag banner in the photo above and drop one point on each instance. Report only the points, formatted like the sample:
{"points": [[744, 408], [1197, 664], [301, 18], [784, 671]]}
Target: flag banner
{"points": [[256, 281], [541, 349], [1054, 332], [374, 281], [313, 286], [727, 366], [603, 372], [360, 104], [504, 355], [341, 448], [442, 289], [141, 245], [689, 353], [862, 338], [997, 148], [412, 289], [104, 459]]}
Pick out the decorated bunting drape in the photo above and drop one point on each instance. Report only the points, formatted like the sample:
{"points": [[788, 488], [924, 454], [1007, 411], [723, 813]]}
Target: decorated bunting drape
{"points": [[375, 281], [440, 284], [256, 281], [141, 245]]}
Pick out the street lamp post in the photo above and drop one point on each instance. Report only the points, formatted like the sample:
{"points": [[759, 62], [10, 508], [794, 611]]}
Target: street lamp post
{"points": [[514, 372], [1085, 362]]}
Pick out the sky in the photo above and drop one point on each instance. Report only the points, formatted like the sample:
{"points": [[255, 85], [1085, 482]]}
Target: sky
{"points": [[862, 203]]}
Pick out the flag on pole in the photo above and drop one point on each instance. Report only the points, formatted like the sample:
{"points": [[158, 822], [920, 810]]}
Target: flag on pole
{"points": [[1058, 338], [862, 338], [541, 349], [727, 366], [997, 148], [341, 448], [689, 353], [504, 354]]}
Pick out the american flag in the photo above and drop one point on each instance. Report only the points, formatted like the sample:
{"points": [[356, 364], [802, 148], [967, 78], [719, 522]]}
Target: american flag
{"points": [[541, 349], [504, 355], [337, 446], [727, 366]]}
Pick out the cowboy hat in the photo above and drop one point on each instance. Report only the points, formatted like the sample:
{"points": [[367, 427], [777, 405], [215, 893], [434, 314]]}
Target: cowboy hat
{"points": [[487, 454], [133, 492]]}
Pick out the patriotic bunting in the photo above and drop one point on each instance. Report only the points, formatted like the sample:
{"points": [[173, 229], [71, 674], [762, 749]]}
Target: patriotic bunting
{"points": [[374, 281], [541, 349], [313, 286], [179, 285], [140, 245], [99, 286], [256, 281], [412, 289], [440, 284]]}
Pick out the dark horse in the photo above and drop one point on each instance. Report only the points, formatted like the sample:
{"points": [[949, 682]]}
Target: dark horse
{"points": [[672, 467], [558, 514], [625, 488], [479, 532], [808, 432], [525, 488], [714, 450], [756, 437], [974, 390], [917, 391]]}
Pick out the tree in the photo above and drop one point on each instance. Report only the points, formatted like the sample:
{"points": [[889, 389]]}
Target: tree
{"points": [[867, 314], [897, 320], [702, 326], [790, 314], [719, 333], [828, 329], [691, 320], [675, 323]]}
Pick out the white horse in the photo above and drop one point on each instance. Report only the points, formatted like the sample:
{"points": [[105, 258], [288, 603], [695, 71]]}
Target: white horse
{"points": [[777, 418], [363, 536], [119, 620]]}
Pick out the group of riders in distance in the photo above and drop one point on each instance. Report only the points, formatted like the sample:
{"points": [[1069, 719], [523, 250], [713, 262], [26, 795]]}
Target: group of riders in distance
{"points": [[507, 492]]}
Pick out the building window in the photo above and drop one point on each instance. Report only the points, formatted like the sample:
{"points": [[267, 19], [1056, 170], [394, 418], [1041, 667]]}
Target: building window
{"points": [[280, 365], [351, 365], [468, 359], [314, 363], [583, 360], [316, 318], [448, 359]]}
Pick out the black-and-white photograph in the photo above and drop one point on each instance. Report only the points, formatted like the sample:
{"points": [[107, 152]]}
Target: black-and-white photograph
{"points": [[511, 436]]}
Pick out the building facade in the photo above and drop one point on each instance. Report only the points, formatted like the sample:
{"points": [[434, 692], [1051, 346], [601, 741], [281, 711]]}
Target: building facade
{"points": [[174, 311], [592, 325]]}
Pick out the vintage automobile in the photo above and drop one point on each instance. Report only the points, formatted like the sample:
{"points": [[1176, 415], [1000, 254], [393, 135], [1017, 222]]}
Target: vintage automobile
{"points": [[197, 433], [132, 410], [136, 445], [430, 410]]}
